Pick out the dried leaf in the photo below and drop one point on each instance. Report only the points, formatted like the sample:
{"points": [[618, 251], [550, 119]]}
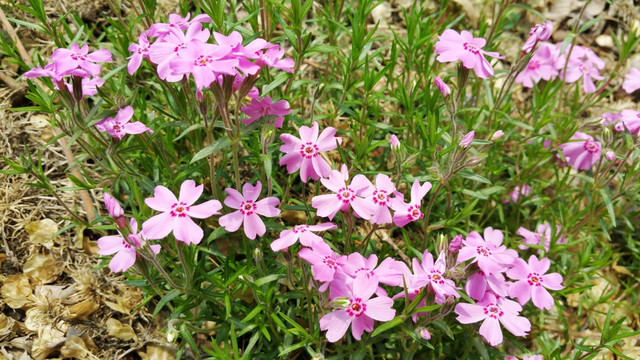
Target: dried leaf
{"points": [[82, 310], [158, 352], [74, 347], [16, 291], [43, 268], [121, 331], [42, 232]]}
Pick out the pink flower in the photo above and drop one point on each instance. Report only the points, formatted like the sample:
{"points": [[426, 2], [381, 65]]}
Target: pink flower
{"points": [[452, 46], [177, 213], [491, 256], [630, 119], [176, 22], [66, 60], [610, 155], [533, 283], [538, 33], [273, 58], [49, 71], [323, 260], [304, 153], [140, 51], [380, 196], [581, 154], [119, 126], [532, 357], [357, 310], [114, 209], [442, 87], [126, 251], [582, 63], [205, 62], [394, 142], [424, 333], [89, 85], [542, 236], [631, 81], [519, 190], [174, 46], [236, 50], [497, 135], [493, 312], [431, 275], [478, 284], [248, 210], [406, 213], [541, 66], [344, 195], [387, 272], [456, 244], [467, 139], [265, 108], [303, 233]]}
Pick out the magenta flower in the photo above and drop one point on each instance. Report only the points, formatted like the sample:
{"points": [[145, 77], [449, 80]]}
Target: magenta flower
{"points": [[467, 139], [406, 213], [177, 213], [493, 312], [139, 51], [273, 58], [49, 71], [174, 46], [304, 153], [300, 232], [126, 251], [323, 260], [442, 86], [453, 46], [387, 272], [357, 309], [431, 275], [248, 210], [542, 236], [66, 60], [533, 283], [478, 284], [519, 190], [89, 85], [538, 33], [206, 63], [236, 50], [581, 154], [630, 120], [380, 195], [491, 256], [266, 108], [541, 66], [344, 196], [456, 244], [631, 81], [582, 63], [176, 22], [394, 142], [610, 155], [114, 209], [119, 126]]}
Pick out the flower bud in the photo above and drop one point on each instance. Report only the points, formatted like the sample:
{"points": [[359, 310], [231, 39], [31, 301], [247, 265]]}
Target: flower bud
{"points": [[610, 155], [424, 333], [394, 142], [115, 210], [497, 135], [456, 244], [444, 89], [467, 139], [318, 357], [441, 243]]}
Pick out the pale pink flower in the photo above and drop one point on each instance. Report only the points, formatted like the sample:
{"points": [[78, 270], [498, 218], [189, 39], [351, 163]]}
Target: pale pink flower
{"points": [[583, 63], [176, 22], [611, 118], [304, 153], [48, 70], [358, 309], [424, 333], [630, 120], [66, 60], [453, 46], [304, 233], [274, 111], [526, 357], [139, 51], [533, 283], [497, 135], [394, 142], [492, 257], [430, 274], [538, 33], [581, 154], [344, 196], [478, 284], [387, 272], [119, 126], [236, 50], [177, 213], [174, 46], [519, 190], [631, 81], [205, 63], [114, 209], [542, 236], [380, 195], [610, 155], [456, 244], [493, 312], [541, 66], [248, 210], [89, 85], [442, 86], [126, 251], [467, 139], [406, 213], [273, 58], [323, 260]]}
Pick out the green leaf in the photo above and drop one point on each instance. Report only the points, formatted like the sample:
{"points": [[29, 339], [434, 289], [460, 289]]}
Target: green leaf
{"points": [[388, 325], [609, 205], [165, 299]]}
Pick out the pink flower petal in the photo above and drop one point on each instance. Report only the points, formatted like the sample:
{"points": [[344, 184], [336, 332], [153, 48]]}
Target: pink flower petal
{"points": [[380, 308], [162, 199], [187, 231], [205, 210], [491, 331], [336, 323], [158, 226], [253, 226], [232, 221]]}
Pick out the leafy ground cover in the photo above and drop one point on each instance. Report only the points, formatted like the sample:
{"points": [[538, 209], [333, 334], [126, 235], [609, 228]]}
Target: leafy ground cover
{"points": [[354, 179]]}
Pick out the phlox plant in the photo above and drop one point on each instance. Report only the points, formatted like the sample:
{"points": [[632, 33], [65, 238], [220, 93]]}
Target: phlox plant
{"points": [[312, 184]]}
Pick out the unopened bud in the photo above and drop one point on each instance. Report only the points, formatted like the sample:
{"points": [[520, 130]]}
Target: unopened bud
{"points": [[497, 135], [441, 244], [394, 142], [607, 135], [424, 333], [467, 139], [456, 244], [444, 88], [610, 155], [318, 357]]}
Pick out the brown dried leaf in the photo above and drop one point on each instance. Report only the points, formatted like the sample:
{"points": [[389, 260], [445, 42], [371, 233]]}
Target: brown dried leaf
{"points": [[158, 352], [82, 310], [7, 327], [75, 347], [43, 268], [42, 232], [121, 331], [16, 291]]}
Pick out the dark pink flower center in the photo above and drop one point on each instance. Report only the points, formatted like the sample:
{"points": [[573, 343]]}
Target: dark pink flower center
{"points": [[309, 150], [202, 61], [78, 57], [300, 228], [117, 127], [493, 310], [125, 244], [179, 47], [471, 48], [592, 146], [481, 250], [381, 198], [366, 270], [414, 213], [356, 307], [583, 68], [346, 195], [436, 276], [178, 209], [534, 65], [534, 279], [248, 207], [330, 262]]}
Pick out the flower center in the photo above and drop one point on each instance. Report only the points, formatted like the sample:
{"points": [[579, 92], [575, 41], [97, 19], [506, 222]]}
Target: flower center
{"points": [[356, 307], [471, 48], [300, 228], [592, 146], [534, 65], [330, 262], [346, 195], [481, 250], [202, 61], [493, 310], [436, 277], [380, 197], [309, 150], [78, 57], [117, 127], [583, 68], [248, 207], [414, 213], [178, 209], [534, 279], [367, 271]]}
